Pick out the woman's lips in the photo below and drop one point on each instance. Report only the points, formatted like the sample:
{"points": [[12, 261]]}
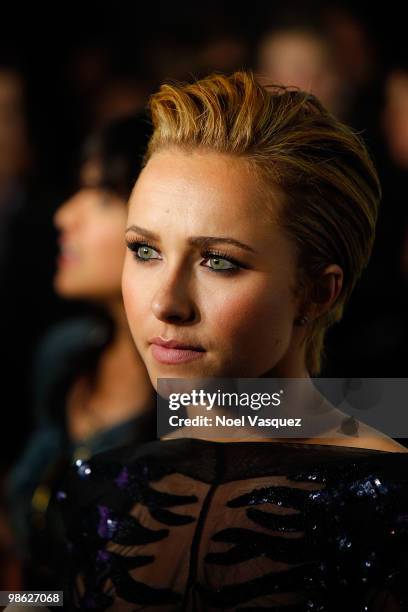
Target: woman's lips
{"points": [[67, 255], [171, 352], [166, 355], [65, 260]]}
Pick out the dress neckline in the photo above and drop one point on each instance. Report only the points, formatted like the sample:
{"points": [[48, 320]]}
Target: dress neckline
{"points": [[301, 446]]}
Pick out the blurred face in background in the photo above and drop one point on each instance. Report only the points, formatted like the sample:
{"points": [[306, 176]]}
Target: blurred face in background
{"points": [[91, 226], [300, 59], [395, 119], [209, 276], [13, 131]]}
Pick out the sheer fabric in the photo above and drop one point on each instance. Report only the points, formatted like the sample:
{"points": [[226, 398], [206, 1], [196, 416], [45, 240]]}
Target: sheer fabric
{"points": [[198, 525]]}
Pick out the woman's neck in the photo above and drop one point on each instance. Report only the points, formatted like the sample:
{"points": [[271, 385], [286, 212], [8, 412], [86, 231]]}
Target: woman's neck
{"points": [[121, 389], [121, 373]]}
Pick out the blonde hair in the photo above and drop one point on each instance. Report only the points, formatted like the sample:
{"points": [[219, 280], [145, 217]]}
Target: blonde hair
{"points": [[330, 186]]}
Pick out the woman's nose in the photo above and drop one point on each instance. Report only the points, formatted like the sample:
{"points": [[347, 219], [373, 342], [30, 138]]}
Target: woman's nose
{"points": [[67, 214], [173, 301]]}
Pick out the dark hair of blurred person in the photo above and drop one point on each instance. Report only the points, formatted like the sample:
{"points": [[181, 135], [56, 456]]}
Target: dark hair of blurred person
{"points": [[119, 97], [92, 392]]}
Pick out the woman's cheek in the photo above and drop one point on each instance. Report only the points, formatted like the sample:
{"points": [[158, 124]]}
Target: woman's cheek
{"points": [[105, 246], [136, 293], [252, 324], [131, 297], [129, 293]]}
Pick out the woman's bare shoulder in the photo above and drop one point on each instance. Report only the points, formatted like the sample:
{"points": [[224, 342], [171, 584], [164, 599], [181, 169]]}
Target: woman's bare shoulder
{"points": [[364, 435], [369, 437], [377, 440]]}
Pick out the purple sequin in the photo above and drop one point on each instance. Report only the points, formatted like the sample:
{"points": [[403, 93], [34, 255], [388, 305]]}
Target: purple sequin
{"points": [[106, 526], [102, 555], [122, 479]]}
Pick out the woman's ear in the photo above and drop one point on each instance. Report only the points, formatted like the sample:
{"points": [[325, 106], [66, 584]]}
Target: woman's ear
{"points": [[325, 291]]}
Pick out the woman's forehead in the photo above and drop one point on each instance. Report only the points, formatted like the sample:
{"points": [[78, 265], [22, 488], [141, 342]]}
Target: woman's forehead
{"points": [[91, 173], [219, 187]]}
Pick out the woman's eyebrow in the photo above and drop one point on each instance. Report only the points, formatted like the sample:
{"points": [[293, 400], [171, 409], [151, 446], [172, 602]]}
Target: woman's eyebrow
{"points": [[206, 241], [142, 230], [201, 241]]}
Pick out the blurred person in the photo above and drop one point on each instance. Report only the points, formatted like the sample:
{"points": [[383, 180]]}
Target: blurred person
{"points": [[14, 145], [354, 49], [249, 228], [87, 68], [15, 161], [26, 251], [105, 83], [393, 239], [119, 97], [377, 320], [359, 65], [15, 158], [395, 117], [91, 387], [15, 166], [172, 58], [300, 56], [223, 53]]}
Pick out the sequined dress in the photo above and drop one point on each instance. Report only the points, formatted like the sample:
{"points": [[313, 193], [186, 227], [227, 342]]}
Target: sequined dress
{"points": [[197, 525]]}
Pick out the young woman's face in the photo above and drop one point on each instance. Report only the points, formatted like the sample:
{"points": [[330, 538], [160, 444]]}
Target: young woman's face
{"points": [[90, 263], [207, 269]]}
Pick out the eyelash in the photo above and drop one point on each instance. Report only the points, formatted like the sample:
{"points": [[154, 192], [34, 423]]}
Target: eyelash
{"points": [[135, 245]]}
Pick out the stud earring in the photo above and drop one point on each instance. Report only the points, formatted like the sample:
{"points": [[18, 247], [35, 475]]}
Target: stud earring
{"points": [[302, 320]]}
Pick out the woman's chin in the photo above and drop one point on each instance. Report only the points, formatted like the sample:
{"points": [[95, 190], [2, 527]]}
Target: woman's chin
{"points": [[64, 288], [180, 371], [69, 289]]}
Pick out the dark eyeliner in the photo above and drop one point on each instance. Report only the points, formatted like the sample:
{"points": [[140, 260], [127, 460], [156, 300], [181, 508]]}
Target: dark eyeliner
{"points": [[134, 246], [222, 255]]}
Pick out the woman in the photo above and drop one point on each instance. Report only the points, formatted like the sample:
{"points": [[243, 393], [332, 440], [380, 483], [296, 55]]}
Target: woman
{"points": [[91, 386], [248, 228]]}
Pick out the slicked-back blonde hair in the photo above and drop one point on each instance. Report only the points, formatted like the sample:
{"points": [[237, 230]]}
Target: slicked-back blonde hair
{"points": [[330, 186]]}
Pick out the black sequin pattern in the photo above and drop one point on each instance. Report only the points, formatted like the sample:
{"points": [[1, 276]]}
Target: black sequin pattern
{"points": [[195, 525]]}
